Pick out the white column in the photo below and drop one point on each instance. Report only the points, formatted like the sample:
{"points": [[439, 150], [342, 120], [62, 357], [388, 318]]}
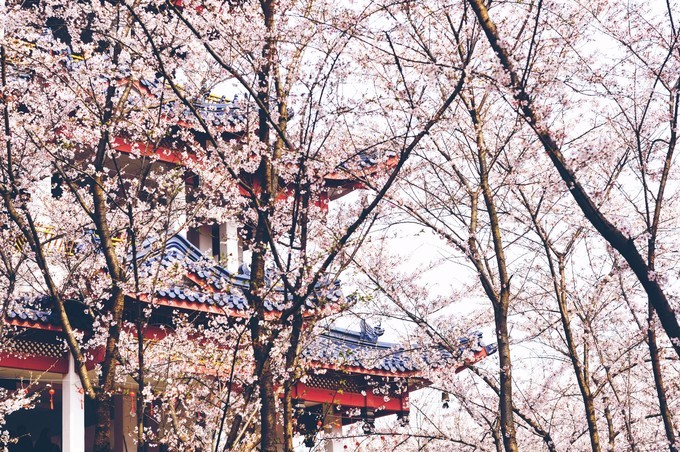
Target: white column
{"points": [[229, 247], [181, 222], [72, 411]]}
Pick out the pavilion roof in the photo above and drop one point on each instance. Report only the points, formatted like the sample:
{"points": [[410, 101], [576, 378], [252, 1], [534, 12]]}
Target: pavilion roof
{"points": [[213, 289], [364, 353]]}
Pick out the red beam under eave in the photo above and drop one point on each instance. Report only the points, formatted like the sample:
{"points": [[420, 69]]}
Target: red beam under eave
{"points": [[350, 399], [390, 162], [176, 157], [150, 331], [33, 325], [163, 154], [288, 192], [36, 363]]}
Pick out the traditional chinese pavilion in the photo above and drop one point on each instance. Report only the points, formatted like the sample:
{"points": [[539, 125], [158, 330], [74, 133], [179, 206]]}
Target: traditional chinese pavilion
{"points": [[354, 376]]}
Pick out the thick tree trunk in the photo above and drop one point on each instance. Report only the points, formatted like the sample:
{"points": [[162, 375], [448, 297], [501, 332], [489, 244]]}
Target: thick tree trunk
{"points": [[261, 335], [658, 381], [102, 442], [269, 440], [107, 380], [261, 338], [505, 397], [115, 305], [610, 425], [116, 302]]}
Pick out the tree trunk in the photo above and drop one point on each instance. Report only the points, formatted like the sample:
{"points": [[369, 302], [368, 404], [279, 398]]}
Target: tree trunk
{"points": [[580, 370], [500, 300], [495, 434], [610, 424], [538, 430], [560, 289], [102, 442], [261, 335], [115, 305], [288, 417], [268, 424], [658, 380], [505, 396], [291, 379]]}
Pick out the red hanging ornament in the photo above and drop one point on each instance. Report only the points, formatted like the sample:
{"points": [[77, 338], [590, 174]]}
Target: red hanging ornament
{"points": [[51, 392], [81, 391], [132, 401]]}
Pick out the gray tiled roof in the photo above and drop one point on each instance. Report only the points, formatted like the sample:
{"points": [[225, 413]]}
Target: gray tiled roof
{"points": [[19, 312], [347, 348], [40, 310], [335, 346], [228, 287]]}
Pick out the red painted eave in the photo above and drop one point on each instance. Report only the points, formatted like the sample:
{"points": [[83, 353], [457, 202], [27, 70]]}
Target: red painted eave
{"points": [[351, 399], [480, 355], [33, 325], [35, 363], [176, 157], [163, 154]]}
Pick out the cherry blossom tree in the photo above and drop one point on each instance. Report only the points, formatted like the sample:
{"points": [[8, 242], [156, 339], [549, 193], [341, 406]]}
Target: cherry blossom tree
{"points": [[270, 110], [309, 122], [651, 75], [615, 103], [85, 77]]}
